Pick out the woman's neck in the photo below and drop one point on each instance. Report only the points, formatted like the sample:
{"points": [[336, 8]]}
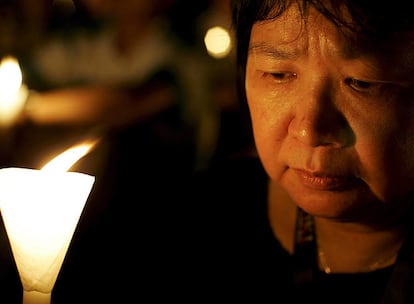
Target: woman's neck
{"points": [[346, 248]]}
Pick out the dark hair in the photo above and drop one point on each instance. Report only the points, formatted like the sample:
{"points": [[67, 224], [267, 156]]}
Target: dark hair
{"points": [[367, 19]]}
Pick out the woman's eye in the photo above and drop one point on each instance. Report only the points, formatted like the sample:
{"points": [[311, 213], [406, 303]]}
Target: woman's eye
{"points": [[282, 77], [361, 85]]}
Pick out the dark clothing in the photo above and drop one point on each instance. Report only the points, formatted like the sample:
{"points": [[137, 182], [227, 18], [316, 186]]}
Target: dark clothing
{"points": [[242, 261], [211, 243]]}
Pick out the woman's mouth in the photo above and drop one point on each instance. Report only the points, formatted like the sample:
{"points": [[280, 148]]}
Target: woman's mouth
{"points": [[324, 181]]}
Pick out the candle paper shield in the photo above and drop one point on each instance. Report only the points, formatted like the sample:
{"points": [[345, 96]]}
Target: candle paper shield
{"points": [[40, 211]]}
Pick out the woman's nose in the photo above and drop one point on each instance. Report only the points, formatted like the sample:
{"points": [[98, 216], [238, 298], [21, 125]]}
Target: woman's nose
{"points": [[317, 120]]}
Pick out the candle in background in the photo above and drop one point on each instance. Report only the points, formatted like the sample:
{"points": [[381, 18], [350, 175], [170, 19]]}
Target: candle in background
{"points": [[13, 93], [40, 210]]}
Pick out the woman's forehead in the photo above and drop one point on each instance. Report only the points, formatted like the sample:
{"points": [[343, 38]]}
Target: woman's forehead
{"points": [[291, 33], [294, 30]]}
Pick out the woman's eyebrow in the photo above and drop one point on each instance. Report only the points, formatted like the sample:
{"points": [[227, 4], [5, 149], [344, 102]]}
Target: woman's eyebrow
{"points": [[284, 52], [281, 52]]}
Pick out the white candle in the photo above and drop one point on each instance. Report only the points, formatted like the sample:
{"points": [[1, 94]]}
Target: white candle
{"points": [[40, 210]]}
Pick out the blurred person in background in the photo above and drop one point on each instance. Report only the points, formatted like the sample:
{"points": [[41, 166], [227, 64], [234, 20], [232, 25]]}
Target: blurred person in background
{"points": [[117, 70], [126, 67]]}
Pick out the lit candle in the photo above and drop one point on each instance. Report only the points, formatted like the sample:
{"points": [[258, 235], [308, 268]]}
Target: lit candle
{"points": [[13, 93], [40, 210]]}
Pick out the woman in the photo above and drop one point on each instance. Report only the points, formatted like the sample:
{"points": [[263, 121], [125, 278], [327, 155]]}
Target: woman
{"points": [[322, 214]]}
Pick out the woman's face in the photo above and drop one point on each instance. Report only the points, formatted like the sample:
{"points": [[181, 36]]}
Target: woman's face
{"points": [[333, 121]]}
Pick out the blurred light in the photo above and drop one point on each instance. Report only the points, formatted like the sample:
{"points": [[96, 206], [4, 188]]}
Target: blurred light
{"points": [[13, 93], [218, 42], [10, 75]]}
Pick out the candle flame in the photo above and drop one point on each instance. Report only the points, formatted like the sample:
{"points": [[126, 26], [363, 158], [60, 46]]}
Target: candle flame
{"points": [[65, 160]]}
